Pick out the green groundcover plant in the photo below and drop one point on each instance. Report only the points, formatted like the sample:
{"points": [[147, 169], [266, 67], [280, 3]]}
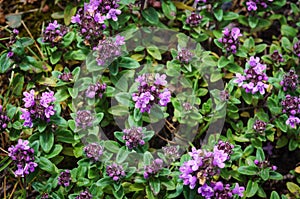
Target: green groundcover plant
{"points": [[152, 99]]}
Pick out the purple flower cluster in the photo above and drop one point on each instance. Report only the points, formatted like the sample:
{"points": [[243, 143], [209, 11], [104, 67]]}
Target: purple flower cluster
{"points": [[12, 40], [153, 168], [194, 19], [91, 18], [230, 39], [64, 178], [116, 172], [184, 56], [151, 91], [255, 77], [202, 168], [259, 126], [108, 49], [95, 90], [84, 195], [296, 48], [290, 81], [4, 120], [93, 151], [220, 191], [291, 106], [253, 5], [277, 57], [171, 152], [54, 33], [133, 137], [23, 156], [66, 76], [264, 164], [84, 119], [37, 107]]}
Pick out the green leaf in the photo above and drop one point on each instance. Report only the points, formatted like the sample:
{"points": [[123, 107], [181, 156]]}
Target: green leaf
{"points": [[55, 57], [127, 62], [274, 195], [248, 170], [251, 189], [218, 14], [47, 165], [260, 48], [151, 15], [103, 182], [228, 16], [55, 151], [112, 146], [169, 9], [26, 41], [281, 142], [275, 175], [5, 63], [293, 144], [293, 188], [260, 155], [47, 141], [124, 98], [154, 52], [253, 21], [69, 11], [289, 31], [122, 155], [148, 135], [222, 62], [264, 174], [68, 39], [154, 184]]}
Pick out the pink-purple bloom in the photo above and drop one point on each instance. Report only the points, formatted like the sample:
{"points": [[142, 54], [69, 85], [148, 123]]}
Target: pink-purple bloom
{"points": [[37, 107], [4, 119], [64, 178], [230, 39], [254, 78], [93, 151], [290, 81], [151, 90], [253, 5], [153, 168], [116, 172], [133, 137], [23, 156]]}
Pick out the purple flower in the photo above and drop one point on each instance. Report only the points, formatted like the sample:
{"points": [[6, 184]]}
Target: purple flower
{"points": [[54, 33], [219, 157], [64, 178], [93, 151], [296, 48], [164, 97], [171, 153], [153, 168], [84, 119], [252, 5], [23, 157], [240, 79], [184, 56], [84, 195], [95, 89], [38, 107], [254, 79], [230, 39], [112, 14], [29, 98], [66, 76], [151, 91], [194, 19], [276, 57], [120, 40], [290, 81], [206, 191], [259, 126], [107, 50], [4, 120], [238, 190], [292, 121], [133, 137], [116, 172]]}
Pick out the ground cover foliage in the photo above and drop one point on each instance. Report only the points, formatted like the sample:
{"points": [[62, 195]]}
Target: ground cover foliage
{"points": [[150, 99]]}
